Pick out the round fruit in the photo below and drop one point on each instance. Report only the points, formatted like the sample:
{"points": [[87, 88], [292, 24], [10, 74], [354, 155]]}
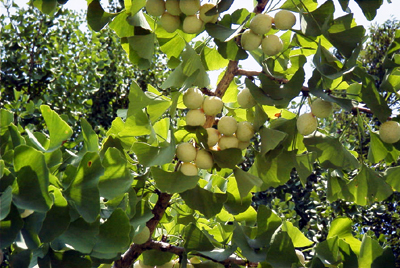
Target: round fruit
{"points": [[169, 264], [155, 7], [203, 10], [212, 106], [204, 160], [261, 24], [193, 98], [186, 152], [189, 169], [169, 22], [195, 118], [300, 256], [306, 124], [140, 264], [321, 108], [226, 142], [213, 136], [390, 132], [245, 131], [142, 237], [192, 24], [271, 45], [284, 20], [189, 7], [245, 99], [243, 145], [195, 260], [227, 125], [250, 40], [172, 7]]}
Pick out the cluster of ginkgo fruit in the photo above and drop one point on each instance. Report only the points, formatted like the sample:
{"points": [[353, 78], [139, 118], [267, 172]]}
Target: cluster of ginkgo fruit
{"points": [[228, 134], [171, 11], [260, 25]]}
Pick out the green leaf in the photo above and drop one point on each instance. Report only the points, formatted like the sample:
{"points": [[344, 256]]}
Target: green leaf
{"points": [[156, 258], [7, 118], [96, 17], [370, 250], [343, 228], [347, 40], [236, 204], [281, 252], [296, 5], [338, 189], [83, 192], [219, 254], [245, 244], [386, 259], [21, 259], [312, 23], [246, 181], [154, 155], [304, 165], [223, 33], [65, 259], [368, 187], [90, 140], [10, 227], [392, 177], [270, 139], [227, 158], [328, 251], [32, 225], [369, 8], [195, 239], [299, 240], [221, 6], [206, 202], [5, 202], [379, 150], [58, 129], [173, 182], [46, 6], [230, 50], [212, 59]]}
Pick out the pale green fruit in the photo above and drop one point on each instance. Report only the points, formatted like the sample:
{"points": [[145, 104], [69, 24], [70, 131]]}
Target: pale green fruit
{"points": [[172, 7], [250, 40], [321, 108], [390, 132], [227, 125], [193, 98], [261, 24], [245, 131], [306, 124], [192, 24], [271, 45], [226, 142], [245, 99], [189, 169], [300, 256], [195, 118], [195, 260], [189, 7], [204, 160], [188, 265], [186, 152], [206, 19], [169, 264], [140, 264], [142, 237], [155, 7], [243, 145], [212, 106], [284, 20], [213, 136], [169, 22]]}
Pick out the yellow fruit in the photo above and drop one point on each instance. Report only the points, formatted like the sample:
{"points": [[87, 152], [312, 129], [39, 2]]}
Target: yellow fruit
{"points": [[213, 136], [243, 145], [227, 125], [172, 7], [203, 10], [142, 237], [284, 20], [390, 132], [306, 124], [245, 131], [169, 22], [261, 24], [245, 99], [155, 7], [226, 142], [193, 98], [189, 169], [195, 118], [192, 24], [186, 152], [321, 108], [271, 45], [204, 160], [189, 7], [212, 106], [250, 40]]}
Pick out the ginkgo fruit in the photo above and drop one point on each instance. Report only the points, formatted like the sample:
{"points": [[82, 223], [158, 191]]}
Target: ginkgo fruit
{"points": [[140, 264], [389, 132], [243, 145], [227, 125], [284, 20], [212, 105], [142, 236], [189, 169], [169, 264], [155, 7], [169, 22], [321, 108], [172, 7], [195, 118], [192, 24], [261, 24], [186, 152], [271, 45], [306, 124], [213, 136], [226, 142], [245, 131], [204, 160], [194, 260], [205, 18], [193, 98], [245, 99], [250, 40], [189, 7]]}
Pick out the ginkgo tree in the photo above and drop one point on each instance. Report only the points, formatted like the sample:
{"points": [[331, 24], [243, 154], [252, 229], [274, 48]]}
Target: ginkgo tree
{"points": [[127, 200]]}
